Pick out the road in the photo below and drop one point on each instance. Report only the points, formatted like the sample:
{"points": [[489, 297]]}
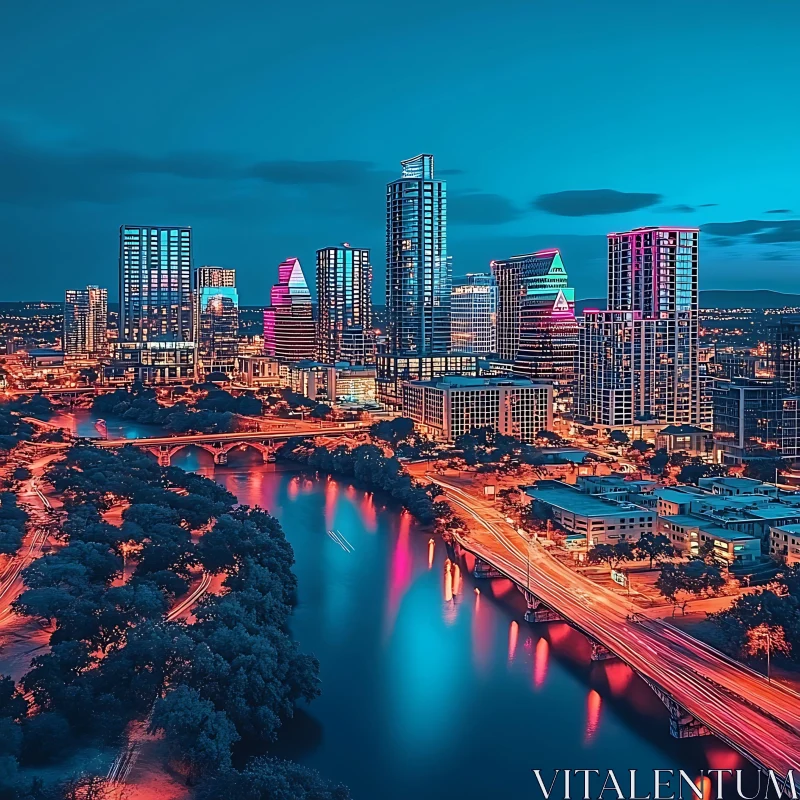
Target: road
{"points": [[756, 718]]}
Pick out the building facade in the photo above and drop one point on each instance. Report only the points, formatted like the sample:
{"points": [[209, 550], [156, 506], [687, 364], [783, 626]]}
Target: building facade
{"points": [[452, 406], [639, 360], [216, 320], [289, 329], [86, 322], [155, 284], [536, 326], [395, 370], [344, 299], [418, 272], [783, 352], [473, 315]]}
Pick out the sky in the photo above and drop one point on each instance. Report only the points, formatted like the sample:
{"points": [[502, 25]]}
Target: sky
{"points": [[272, 129]]}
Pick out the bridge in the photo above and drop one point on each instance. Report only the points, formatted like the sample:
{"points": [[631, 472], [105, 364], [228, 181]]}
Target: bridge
{"points": [[704, 691], [220, 444]]}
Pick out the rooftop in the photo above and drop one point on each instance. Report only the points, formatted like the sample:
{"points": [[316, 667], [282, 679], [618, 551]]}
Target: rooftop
{"points": [[681, 430], [468, 382], [565, 497]]}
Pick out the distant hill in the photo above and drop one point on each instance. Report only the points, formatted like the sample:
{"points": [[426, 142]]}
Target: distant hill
{"points": [[721, 298]]}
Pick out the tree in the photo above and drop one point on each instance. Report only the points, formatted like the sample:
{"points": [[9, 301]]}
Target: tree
{"points": [[694, 577], [271, 779], [21, 474], [198, 735], [653, 546], [321, 411], [658, 462], [763, 469], [548, 436], [619, 437], [640, 445], [696, 469], [612, 554], [767, 639]]}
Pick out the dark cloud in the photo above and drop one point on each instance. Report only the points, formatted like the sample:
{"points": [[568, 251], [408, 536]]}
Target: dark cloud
{"points": [[777, 255], [707, 205], [480, 208], [779, 211], [683, 209], [754, 231], [592, 202]]}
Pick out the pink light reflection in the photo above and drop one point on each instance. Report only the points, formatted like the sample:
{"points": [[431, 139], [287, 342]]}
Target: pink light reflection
{"points": [[399, 572], [541, 656], [593, 705]]}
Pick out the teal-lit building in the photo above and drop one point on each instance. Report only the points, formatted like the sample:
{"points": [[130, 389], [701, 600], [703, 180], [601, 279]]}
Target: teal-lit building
{"points": [[216, 320]]}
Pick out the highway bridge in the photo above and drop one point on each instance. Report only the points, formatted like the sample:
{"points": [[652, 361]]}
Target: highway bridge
{"points": [[220, 444], [704, 691]]}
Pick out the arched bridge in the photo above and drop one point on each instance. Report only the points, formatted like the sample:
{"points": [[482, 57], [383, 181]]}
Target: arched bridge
{"points": [[220, 444]]}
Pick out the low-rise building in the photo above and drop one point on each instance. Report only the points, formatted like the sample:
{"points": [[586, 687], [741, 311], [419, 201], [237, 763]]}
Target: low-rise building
{"points": [[255, 371], [454, 405], [332, 383], [688, 533], [685, 438], [152, 362], [601, 519], [784, 543]]}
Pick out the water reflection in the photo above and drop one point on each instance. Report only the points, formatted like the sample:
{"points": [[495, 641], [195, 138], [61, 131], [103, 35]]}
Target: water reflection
{"points": [[427, 696]]}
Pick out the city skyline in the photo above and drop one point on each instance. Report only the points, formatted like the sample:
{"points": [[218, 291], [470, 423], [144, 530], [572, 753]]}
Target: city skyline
{"points": [[256, 192]]}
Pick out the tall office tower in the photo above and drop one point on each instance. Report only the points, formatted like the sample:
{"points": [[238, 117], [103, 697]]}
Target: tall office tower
{"points": [[536, 326], [639, 361], [783, 352], [155, 284], [86, 322], [216, 319], [344, 300], [289, 330], [473, 315], [418, 272]]}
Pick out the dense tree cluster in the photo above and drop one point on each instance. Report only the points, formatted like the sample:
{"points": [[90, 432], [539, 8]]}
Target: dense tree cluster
{"points": [[694, 577], [13, 427], [776, 609], [651, 546], [213, 412], [695, 468], [487, 446], [233, 675], [370, 468], [12, 524]]}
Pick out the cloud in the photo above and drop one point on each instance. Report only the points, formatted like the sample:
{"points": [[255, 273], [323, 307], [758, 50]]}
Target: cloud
{"points": [[754, 231], [779, 211], [682, 208], [707, 205], [480, 208], [593, 202]]}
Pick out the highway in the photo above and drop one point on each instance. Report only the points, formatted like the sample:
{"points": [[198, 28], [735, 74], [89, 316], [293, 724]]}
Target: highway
{"points": [[758, 719]]}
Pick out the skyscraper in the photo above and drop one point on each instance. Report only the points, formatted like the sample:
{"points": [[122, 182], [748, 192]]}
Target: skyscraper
{"points": [[86, 322], [155, 284], [216, 321], [289, 330], [639, 360], [418, 281], [418, 273], [473, 315], [783, 352], [344, 302], [536, 327]]}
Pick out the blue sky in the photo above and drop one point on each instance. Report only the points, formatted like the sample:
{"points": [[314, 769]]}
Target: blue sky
{"points": [[272, 129]]}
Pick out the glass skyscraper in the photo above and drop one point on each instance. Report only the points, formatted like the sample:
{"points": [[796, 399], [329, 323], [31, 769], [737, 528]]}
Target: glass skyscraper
{"points": [[216, 323], [289, 330], [418, 272], [536, 327], [86, 322], [344, 301], [639, 361], [473, 315], [155, 284]]}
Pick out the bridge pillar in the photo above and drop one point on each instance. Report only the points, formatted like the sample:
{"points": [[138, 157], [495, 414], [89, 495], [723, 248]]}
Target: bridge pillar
{"points": [[220, 457], [484, 570], [538, 611], [164, 457], [600, 652], [682, 724]]}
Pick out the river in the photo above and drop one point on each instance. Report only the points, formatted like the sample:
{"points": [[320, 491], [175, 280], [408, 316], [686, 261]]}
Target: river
{"points": [[432, 683]]}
